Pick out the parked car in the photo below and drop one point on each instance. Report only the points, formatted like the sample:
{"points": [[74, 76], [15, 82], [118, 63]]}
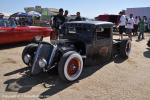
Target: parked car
{"points": [[11, 33], [110, 18], [81, 43]]}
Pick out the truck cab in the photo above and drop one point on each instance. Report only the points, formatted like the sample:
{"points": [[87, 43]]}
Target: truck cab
{"points": [[94, 38]]}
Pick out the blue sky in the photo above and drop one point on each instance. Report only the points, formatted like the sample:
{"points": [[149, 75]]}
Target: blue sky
{"points": [[88, 8]]}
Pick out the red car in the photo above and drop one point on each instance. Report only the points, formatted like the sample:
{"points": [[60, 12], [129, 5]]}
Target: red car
{"points": [[11, 33], [110, 18]]}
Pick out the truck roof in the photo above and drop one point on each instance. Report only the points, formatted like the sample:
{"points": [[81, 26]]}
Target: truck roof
{"points": [[92, 22]]}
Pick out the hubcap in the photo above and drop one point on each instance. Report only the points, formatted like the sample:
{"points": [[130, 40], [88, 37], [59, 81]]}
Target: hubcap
{"points": [[73, 66]]}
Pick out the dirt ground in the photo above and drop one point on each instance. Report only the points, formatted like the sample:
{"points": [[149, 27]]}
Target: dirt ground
{"points": [[118, 80]]}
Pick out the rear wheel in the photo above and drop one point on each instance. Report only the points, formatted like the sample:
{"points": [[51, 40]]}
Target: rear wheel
{"points": [[125, 48], [28, 53], [148, 43], [70, 66]]}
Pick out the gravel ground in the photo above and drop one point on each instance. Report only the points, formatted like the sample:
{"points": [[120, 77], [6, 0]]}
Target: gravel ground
{"points": [[118, 80]]}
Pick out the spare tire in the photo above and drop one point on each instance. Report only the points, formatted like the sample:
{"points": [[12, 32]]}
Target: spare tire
{"points": [[29, 49], [70, 66], [125, 48]]}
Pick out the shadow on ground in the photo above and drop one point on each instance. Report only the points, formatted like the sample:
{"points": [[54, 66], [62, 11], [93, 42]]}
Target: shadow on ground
{"points": [[138, 40], [22, 70], [49, 80], [13, 45], [147, 53], [25, 82], [118, 59]]}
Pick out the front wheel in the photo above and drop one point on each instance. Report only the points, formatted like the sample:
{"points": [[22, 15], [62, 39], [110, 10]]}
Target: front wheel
{"points": [[70, 66], [28, 53]]}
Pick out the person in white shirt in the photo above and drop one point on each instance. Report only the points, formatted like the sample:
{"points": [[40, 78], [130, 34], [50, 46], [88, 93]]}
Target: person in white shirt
{"points": [[136, 20], [130, 26], [122, 24]]}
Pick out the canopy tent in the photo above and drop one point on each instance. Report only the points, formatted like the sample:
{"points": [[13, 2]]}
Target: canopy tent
{"points": [[34, 14], [19, 14]]}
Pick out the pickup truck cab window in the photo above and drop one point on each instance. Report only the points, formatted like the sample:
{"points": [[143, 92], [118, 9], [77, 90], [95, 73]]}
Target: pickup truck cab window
{"points": [[102, 33]]}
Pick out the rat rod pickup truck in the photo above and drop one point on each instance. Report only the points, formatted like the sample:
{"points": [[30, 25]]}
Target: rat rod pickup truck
{"points": [[80, 43]]}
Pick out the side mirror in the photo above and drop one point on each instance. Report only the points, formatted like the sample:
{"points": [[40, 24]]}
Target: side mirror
{"points": [[38, 38]]}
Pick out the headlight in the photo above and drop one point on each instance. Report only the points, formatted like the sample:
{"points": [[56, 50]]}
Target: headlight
{"points": [[42, 63], [27, 58]]}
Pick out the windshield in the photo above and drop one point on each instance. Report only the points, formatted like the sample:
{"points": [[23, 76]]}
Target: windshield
{"points": [[78, 28], [7, 23]]}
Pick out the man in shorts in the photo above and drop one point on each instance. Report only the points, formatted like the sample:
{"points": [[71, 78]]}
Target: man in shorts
{"points": [[122, 24], [130, 26]]}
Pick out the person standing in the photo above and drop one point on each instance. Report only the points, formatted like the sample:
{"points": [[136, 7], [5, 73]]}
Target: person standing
{"points": [[58, 21], [122, 23], [78, 18], [136, 20], [66, 15], [1, 16], [141, 28], [30, 20], [148, 22], [130, 26]]}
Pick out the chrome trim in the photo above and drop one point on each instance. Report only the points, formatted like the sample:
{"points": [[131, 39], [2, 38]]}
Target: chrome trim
{"points": [[3, 31], [27, 58], [36, 57], [41, 61], [52, 55], [83, 56]]}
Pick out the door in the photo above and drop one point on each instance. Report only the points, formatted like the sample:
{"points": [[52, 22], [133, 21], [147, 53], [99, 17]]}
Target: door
{"points": [[6, 35], [22, 33], [102, 46]]}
